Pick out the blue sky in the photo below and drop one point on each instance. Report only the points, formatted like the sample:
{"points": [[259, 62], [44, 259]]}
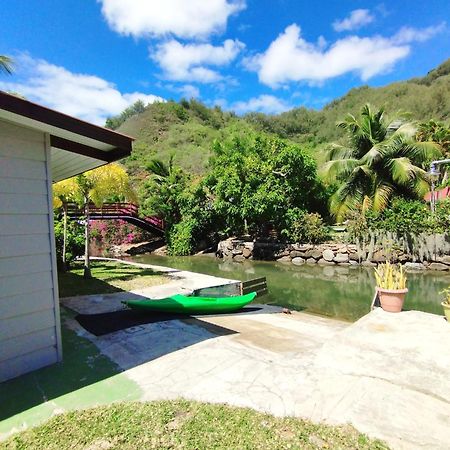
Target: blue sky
{"points": [[93, 58]]}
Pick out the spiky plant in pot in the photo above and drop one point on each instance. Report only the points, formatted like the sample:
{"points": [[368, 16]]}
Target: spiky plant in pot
{"points": [[391, 286]]}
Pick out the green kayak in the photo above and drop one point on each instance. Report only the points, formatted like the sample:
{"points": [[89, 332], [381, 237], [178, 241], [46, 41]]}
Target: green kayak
{"points": [[192, 305]]}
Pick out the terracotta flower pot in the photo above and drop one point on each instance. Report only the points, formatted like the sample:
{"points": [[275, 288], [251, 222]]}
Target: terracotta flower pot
{"points": [[392, 299], [446, 307]]}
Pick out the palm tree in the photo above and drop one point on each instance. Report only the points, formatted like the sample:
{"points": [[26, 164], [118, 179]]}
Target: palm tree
{"points": [[6, 64], [383, 159], [160, 171]]}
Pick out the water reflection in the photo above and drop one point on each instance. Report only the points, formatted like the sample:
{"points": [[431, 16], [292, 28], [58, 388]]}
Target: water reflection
{"points": [[334, 291]]}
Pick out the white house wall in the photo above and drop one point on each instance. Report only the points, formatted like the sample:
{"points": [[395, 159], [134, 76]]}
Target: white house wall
{"points": [[29, 314]]}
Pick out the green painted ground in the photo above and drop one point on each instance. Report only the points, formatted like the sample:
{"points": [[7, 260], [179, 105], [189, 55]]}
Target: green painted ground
{"points": [[85, 378], [185, 425]]}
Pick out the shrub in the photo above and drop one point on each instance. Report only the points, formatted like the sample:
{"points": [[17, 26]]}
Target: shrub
{"points": [[305, 227], [403, 217], [75, 240], [181, 237]]}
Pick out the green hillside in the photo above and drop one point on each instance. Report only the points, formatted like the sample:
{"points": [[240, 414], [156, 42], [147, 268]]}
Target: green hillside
{"points": [[187, 129]]}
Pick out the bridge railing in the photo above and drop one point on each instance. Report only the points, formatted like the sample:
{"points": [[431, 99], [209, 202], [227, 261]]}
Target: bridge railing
{"points": [[115, 211]]}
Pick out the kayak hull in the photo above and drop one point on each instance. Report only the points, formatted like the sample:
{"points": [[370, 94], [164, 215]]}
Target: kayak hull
{"points": [[182, 304]]}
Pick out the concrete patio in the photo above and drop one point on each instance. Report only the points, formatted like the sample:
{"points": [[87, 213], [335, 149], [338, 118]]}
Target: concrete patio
{"points": [[387, 374]]}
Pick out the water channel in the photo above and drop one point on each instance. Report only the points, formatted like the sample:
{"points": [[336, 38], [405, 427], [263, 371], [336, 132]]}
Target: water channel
{"points": [[339, 292]]}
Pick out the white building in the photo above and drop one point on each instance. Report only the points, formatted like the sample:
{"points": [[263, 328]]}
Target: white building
{"points": [[38, 146]]}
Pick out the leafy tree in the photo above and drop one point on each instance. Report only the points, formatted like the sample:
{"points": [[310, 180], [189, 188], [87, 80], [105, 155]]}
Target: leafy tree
{"points": [[109, 182], [181, 200], [381, 159], [6, 64], [255, 180], [64, 193], [136, 108]]}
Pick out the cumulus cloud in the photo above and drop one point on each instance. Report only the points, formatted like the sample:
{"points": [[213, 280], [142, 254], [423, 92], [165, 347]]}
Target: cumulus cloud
{"points": [[87, 97], [291, 58], [357, 19], [187, 62], [183, 18], [268, 104]]}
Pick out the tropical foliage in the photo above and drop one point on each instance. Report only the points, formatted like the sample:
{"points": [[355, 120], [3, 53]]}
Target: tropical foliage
{"points": [[382, 158], [99, 185], [6, 64]]}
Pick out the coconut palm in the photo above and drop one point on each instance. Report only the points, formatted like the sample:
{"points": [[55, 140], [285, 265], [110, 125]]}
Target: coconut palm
{"points": [[6, 64], [383, 159]]}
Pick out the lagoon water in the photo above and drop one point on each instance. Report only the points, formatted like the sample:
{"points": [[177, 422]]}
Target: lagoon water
{"points": [[339, 292]]}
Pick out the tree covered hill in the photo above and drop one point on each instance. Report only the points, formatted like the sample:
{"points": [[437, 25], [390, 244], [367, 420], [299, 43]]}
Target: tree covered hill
{"points": [[187, 129]]}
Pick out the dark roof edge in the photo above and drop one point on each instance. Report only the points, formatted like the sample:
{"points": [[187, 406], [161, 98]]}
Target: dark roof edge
{"points": [[57, 119], [85, 150]]}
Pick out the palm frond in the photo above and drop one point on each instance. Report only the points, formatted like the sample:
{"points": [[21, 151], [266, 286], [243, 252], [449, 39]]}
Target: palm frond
{"points": [[382, 195], [336, 151], [6, 64], [402, 170], [158, 168], [338, 169]]}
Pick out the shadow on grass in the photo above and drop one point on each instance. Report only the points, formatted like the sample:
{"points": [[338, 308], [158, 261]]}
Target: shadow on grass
{"points": [[84, 365], [103, 274]]}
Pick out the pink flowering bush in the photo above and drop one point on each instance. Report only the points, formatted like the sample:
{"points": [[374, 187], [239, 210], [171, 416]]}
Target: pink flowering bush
{"points": [[115, 232]]}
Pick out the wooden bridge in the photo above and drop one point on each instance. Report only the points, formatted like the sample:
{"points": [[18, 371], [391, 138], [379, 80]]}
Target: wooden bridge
{"points": [[123, 211]]}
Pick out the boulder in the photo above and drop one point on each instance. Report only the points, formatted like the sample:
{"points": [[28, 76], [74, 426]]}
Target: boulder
{"points": [[414, 266], [297, 253], [328, 255], [438, 266], [284, 259], [324, 262], [444, 259], [238, 258], [298, 261], [341, 258], [246, 253], [314, 253], [311, 261]]}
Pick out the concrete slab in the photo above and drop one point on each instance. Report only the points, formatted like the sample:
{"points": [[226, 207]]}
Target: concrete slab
{"points": [[387, 374]]}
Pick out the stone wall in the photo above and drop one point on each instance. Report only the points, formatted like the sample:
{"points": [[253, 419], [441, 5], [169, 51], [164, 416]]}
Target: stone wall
{"points": [[326, 254]]}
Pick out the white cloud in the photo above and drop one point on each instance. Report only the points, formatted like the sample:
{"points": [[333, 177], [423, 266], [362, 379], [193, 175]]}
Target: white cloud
{"points": [[291, 58], [183, 18], [87, 97], [189, 91], [268, 104], [357, 19], [186, 62], [407, 35]]}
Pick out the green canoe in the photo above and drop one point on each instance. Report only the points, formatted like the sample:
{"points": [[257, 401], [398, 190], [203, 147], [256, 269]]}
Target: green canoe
{"points": [[192, 305]]}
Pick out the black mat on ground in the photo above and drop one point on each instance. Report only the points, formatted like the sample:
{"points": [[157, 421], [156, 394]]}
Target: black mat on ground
{"points": [[100, 324]]}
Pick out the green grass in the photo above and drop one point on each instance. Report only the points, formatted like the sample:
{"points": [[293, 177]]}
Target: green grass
{"points": [[184, 425], [107, 277]]}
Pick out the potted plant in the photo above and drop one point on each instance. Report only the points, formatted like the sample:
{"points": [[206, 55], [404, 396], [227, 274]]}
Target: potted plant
{"points": [[446, 303], [391, 286]]}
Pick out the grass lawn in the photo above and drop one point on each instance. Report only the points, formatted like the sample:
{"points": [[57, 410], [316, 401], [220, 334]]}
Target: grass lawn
{"points": [[107, 277], [184, 425]]}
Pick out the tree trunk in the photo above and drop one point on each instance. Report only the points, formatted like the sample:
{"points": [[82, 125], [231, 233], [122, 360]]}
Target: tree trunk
{"points": [[87, 270]]}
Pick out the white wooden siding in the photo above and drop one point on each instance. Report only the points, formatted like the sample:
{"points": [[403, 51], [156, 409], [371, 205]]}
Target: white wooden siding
{"points": [[29, 328]]}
